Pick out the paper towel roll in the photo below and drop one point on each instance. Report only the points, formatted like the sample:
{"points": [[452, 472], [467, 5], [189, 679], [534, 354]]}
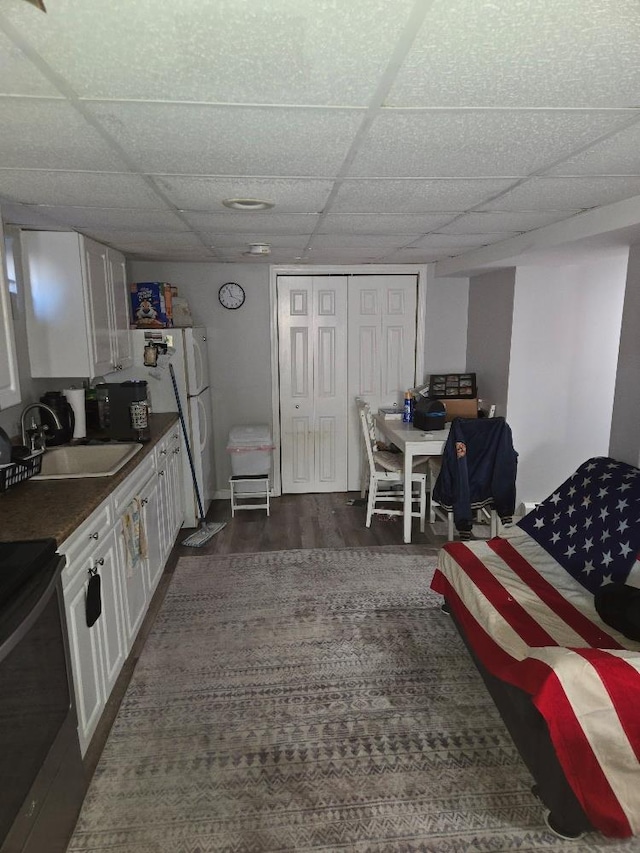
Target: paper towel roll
{"points": [[75, 396]]}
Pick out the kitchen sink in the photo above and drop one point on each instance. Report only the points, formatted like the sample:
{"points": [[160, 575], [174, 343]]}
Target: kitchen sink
{"points": [[85, 460]]}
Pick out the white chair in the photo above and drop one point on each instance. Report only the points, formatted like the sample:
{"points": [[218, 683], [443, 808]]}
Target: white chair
{"points": [[386, 473]]}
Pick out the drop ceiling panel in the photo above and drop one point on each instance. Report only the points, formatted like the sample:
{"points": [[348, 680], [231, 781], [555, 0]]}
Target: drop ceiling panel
{"points": [[201, 193], [476, 143], [344, 256], [363, 223], [562, 193], [29, 216], [415, 256], [106, 189], [524, 54], [131, 239], [95, 217], [362, 241], [196, 139], [264, 222], [41, 134], [617, 155], [18, 75], [484, 223], [241, 242], [414, 196], [302, 52], [460, 242]]}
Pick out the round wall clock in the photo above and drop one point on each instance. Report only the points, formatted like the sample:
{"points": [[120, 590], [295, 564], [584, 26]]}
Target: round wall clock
{"points": [[231, 295]]}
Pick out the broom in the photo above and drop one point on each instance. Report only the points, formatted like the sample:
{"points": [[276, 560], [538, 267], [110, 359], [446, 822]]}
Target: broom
{"points": [[205, 530]]}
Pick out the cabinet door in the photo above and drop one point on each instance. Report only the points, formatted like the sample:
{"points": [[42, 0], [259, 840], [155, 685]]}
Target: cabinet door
{"points": [[176, 496], [110, 623], [164, 501], [135, 589], [156, 549], [122, 344], [9, 381], [99, 301], [84, 645]]}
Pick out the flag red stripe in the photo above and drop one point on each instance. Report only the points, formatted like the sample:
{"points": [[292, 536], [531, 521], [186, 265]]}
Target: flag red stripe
{"points": [[580, 623], [617, 675], [580, 765], [511, 611]]}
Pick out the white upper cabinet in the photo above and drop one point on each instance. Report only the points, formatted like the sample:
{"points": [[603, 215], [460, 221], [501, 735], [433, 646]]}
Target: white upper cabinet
{"points": [[77, 306], [9, 381]]}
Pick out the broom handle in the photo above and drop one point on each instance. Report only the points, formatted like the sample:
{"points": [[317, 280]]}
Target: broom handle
{"points": [[186, 441]]}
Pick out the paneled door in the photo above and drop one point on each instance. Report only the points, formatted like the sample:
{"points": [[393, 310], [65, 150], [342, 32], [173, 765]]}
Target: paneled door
{"points": [[382, 348], [312, 324]]}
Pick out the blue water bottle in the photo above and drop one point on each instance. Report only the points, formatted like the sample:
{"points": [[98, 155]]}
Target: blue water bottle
{"points": [[407, 415]]}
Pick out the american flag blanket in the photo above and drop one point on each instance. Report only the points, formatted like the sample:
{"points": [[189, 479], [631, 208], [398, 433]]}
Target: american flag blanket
{"points": [[525, 601]]}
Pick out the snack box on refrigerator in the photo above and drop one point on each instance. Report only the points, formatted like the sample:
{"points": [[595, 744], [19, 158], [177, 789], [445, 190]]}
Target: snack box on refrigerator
{"points": [[151, 305]]}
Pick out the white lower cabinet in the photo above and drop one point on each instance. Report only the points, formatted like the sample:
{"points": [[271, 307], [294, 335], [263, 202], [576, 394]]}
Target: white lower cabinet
{"points": [[98, 653]]}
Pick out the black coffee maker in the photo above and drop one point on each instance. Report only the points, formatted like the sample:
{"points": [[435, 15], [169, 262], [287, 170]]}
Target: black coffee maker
{"points": [[54, 435], [123, 410]]}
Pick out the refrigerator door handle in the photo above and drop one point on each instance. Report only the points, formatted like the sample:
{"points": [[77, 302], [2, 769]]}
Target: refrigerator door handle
{"points": [[191, 396]]}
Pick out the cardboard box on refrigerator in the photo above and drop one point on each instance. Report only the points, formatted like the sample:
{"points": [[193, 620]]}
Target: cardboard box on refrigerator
{"points": [[458, 407]]}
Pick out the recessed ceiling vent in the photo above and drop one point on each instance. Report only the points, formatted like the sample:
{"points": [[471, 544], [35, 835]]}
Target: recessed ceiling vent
{"points": [[259, 249], [247, 204]]}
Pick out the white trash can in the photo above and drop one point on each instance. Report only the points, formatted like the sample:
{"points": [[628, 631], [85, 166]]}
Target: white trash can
{"points": [[250, 448]]}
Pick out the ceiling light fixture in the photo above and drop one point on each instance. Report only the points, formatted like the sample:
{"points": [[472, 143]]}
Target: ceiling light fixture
{"points": [[247, 204], [259, 249]]}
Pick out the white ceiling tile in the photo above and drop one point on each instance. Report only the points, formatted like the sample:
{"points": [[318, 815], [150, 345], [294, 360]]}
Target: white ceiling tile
{"points": [[202, 193], [283, 51], [345, 256], [260, 222], [362, 241], [414, 196], [460, 242], [566, 195], [96, 217], [130, 238], [38, 134], [363, 223], [28, 215], [486, 223], [240, 242], [100, 189], [476, 143], [415, 256], [517, 53], [195, 139], [617, 155], [18, 75]]}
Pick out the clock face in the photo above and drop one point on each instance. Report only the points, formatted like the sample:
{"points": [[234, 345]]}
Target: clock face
{"points": [[231, 295]]}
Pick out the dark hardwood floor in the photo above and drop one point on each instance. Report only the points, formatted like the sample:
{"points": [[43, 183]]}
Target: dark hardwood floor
{"points": [[335, 520]]}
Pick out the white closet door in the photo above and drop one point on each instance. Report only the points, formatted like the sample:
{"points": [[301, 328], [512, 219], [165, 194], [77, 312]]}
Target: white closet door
{"points": [[312, 319], [382, 348]]}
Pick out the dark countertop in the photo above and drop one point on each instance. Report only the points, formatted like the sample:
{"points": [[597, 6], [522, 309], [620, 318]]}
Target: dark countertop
{"points": [[35, 509]]}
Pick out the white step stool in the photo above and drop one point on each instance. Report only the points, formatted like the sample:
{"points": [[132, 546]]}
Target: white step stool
{"points": [[240, 491]]}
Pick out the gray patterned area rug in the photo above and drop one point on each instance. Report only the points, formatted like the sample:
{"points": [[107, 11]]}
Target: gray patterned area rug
{"points": [[310, 700]]}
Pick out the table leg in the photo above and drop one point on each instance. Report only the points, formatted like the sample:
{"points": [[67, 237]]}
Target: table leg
{"points": [[408, 459]]}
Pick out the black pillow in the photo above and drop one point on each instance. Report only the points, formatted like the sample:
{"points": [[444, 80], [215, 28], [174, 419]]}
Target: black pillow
{"points": [[618, 604]]}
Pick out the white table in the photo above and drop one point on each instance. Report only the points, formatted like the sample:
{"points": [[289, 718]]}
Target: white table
{"points": [[413, 442]]}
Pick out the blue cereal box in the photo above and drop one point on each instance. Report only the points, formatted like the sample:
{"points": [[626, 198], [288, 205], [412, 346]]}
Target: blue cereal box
{"points": [[151, 305]]}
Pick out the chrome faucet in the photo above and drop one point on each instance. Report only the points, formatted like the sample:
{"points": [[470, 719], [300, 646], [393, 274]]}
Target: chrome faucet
{"points": [[34, 437]]}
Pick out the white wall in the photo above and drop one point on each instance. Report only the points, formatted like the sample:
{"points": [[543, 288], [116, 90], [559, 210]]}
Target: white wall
{"points": [[564, 353], [239, 342], [447, 302], [489, 336], [625, 427]]}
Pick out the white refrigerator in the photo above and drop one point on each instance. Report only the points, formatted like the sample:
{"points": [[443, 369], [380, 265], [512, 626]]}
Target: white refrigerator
{"points": [[187, 350]]}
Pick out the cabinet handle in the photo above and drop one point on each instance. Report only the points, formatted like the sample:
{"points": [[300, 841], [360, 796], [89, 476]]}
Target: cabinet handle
{"points": [[144, 501], [160, 473], [163, 453], [100, 562], [93, 535], [177, 450]]}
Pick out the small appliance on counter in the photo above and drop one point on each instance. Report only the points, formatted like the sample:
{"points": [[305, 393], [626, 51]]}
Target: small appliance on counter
{"points": [[123, 410], [60, 405]]}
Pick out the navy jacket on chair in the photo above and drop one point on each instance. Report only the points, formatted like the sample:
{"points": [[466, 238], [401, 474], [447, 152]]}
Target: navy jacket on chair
{"points": [[478, 469]]}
